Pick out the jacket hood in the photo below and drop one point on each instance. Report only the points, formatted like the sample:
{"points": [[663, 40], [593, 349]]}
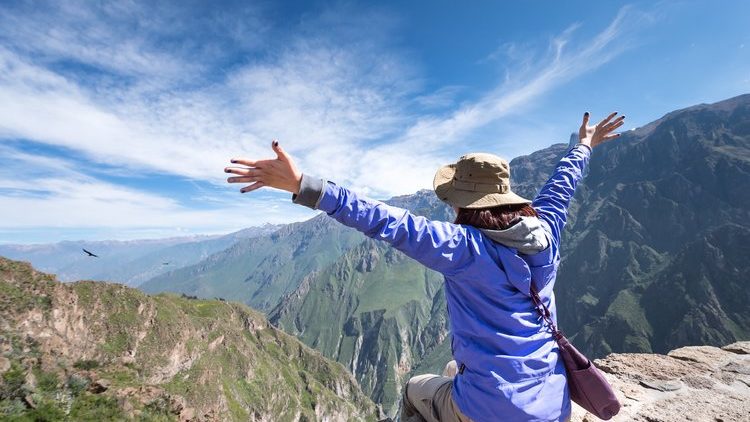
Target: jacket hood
{"points": [[528, 236]]}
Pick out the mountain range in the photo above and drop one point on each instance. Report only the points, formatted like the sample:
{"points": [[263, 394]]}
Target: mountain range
{"points": [[129, 262], [654, 257]]}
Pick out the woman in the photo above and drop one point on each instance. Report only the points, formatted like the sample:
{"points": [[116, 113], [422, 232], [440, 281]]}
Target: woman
{"points": [[501, 243]]}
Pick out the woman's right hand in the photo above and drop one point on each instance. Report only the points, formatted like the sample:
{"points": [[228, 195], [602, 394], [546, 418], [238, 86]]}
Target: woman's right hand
{"points": [[602, 132], [280, 173]]}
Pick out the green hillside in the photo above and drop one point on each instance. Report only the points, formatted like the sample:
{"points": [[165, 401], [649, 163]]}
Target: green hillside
{"points": [[128, 262], [647, 267], [259, 271], [98, 351], [375, 311], [652, 258]]}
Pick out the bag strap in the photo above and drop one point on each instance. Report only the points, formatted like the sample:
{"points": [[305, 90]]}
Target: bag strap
{"points": [[544, 312]]}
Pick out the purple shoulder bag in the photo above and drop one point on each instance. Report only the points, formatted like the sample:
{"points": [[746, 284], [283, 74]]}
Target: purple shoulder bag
{"points": [[586, 383]]}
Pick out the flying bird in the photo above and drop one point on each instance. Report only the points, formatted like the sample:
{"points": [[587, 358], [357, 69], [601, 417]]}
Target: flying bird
{"points": [[165, 263], [91, 253]]}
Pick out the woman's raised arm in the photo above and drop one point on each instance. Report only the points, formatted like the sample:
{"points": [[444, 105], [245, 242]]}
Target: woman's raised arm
{"points": [[441, 246], [553, 199]]}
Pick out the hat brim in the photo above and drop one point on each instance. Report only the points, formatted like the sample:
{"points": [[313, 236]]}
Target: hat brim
{"points": [[447, 193]]}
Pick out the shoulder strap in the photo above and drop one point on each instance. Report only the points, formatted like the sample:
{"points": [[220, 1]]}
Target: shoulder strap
{"points": [[544, 312]]}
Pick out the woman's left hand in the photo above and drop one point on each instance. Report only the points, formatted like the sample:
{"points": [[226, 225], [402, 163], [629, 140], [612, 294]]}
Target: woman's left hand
{"points": [[602, 132], [280, 173]]}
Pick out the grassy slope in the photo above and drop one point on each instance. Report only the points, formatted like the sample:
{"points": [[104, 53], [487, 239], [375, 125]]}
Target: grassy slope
{"points": [[258, 272], [219, 358], [370, 311]]}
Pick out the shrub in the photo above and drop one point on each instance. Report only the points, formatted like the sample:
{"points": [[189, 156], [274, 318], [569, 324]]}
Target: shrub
{"points": [[46, 410], [86, 364], [77, 385], [88, 407], [13, 380], [46, 381]]}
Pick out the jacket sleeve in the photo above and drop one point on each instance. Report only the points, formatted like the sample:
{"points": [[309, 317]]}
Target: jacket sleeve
{"points": [[441, 246], [553, 200]]}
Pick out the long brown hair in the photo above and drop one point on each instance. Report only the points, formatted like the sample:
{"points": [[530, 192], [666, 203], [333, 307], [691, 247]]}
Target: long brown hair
{"points": [[496, 218]]}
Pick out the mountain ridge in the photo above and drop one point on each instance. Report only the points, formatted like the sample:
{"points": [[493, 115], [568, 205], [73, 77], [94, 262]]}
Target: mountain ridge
{"points": [[660, 221], [127, 261], [100, 351], [615, 255]]}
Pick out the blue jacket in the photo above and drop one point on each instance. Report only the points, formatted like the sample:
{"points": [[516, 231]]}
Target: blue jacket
{"points": [[511, 366]]}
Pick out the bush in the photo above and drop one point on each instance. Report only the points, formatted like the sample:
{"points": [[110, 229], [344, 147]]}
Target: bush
{"points": [[46, 410], [88, 407], [86, 364], [46, 381], [77, 385], [16, 411], [13, 380], [10, 408], [157, 411]]}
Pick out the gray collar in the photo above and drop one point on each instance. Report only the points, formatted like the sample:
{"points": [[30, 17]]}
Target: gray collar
{"points": [[528, 236]]}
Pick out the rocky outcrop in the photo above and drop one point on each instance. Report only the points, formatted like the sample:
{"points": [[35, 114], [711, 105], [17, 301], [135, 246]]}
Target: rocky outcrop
{"points": [[694, 383], [99, 351]]}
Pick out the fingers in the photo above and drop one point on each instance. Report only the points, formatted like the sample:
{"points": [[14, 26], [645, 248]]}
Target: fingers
{"points": [[607, 119], [246, 179], [611, 136], [250, 188], [614, 124], [249, 163], [280, 153], [585, 119], [243, 171], [619, 119], [247, 174]]}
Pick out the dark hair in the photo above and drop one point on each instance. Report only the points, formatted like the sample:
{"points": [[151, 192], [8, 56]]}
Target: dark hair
{"points": [[497, 218]]}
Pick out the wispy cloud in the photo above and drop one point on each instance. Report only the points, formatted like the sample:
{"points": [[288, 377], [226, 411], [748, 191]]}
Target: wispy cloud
{"points": [[312, 91], [113, 83], [425, 145], [146, 41], [38, 191]]}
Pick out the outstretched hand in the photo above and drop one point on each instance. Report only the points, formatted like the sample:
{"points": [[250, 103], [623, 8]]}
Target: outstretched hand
{"points": [[280, 173], [602, 132]]}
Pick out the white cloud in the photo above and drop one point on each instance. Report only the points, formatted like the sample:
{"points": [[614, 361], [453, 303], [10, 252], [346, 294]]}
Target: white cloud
{"points": [[49, 192], [422, 148], [312, 94], [340, 102], [144, 40]]}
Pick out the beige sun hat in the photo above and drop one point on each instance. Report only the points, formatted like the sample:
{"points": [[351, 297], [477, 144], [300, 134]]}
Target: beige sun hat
{"points": [[477, 180]]}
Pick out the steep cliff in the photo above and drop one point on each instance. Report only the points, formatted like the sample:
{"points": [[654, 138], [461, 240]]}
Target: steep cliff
{"points": [[98, 351], [653, 258]]}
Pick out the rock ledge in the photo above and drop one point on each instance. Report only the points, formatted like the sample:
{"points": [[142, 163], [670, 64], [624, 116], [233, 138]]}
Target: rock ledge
{"points": [[694, 383]]}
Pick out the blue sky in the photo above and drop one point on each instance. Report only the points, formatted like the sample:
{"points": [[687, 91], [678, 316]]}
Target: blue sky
{"points": [[116, 119]]}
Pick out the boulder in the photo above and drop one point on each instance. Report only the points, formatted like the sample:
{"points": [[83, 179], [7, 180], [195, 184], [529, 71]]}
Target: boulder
{"points": [[696, 383], [99, 386]]}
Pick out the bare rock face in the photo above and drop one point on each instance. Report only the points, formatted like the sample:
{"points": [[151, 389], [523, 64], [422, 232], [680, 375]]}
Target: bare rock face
{"points": [[695, 383]]}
